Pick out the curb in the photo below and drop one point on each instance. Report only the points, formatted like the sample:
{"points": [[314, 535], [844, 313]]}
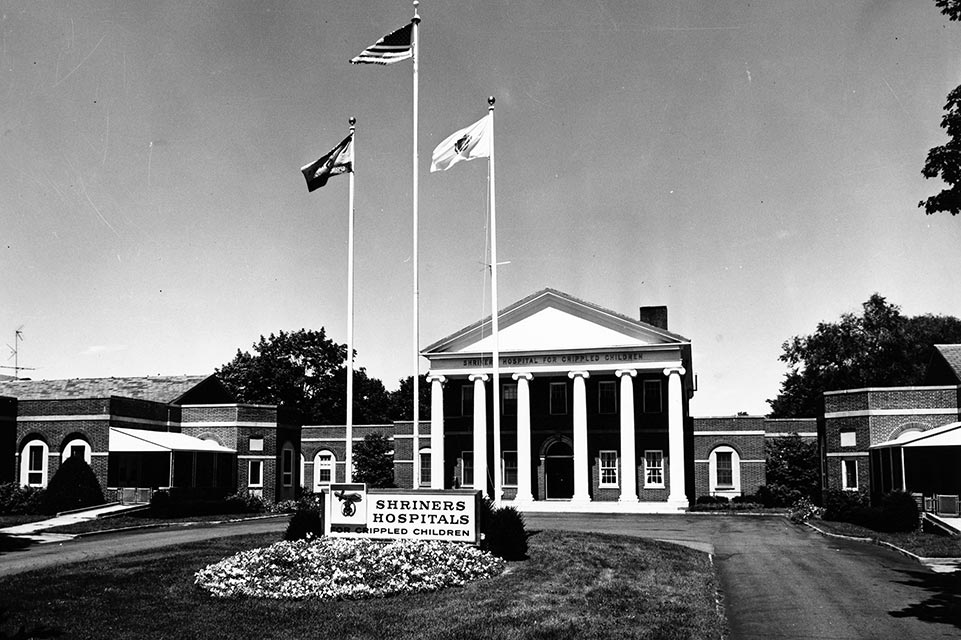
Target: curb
{"points": [[881, 543], [161, 525]]}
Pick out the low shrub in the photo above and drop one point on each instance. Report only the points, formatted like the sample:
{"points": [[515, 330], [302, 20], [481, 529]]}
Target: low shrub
{"points": [[844, 506], [19, 500], [73, 486], [803, 510], [308, 519], [712, 500], [776, 495], [243, 502], [899, 512], [506, 536], [896, 511]]}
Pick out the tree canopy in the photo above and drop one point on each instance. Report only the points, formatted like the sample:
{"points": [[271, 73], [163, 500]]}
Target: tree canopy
{"points": [[944, 161], [306, 371], [879, 347], [374, 461]]}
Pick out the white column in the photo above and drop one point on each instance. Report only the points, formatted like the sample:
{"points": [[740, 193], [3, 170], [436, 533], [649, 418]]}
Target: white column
{"points": [[628, 457], [581, 466], [480, 432], [524, 493], [436, 431], [675, 439]]}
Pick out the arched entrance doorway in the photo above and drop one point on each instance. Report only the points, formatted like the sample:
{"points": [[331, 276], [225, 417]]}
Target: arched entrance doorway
{"points": [[559, 471]]}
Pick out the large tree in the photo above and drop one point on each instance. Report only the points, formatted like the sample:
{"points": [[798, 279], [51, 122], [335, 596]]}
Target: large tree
{"points": [[944, 161], [879, 347], [304, 370]]}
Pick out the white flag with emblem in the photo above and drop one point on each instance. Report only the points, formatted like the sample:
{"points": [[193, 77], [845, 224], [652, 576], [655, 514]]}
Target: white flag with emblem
{"points": [[466, 144]]}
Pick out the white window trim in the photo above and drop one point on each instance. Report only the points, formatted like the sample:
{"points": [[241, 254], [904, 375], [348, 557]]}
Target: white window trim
{"points": [[74, 443], [504, 468], [463, 458], [733, 489], [654, 485], [854, 438], [420, 459], [25, 470], [250, 478], [320, 465], [844, 475], [601, 468]]}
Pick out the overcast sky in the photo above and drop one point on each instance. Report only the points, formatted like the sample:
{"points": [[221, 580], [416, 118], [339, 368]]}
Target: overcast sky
{"points": [[755, 166]]}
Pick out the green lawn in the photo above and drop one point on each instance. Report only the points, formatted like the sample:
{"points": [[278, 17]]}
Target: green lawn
{"points": [[926, 545], [146, 518], [573, 586]]}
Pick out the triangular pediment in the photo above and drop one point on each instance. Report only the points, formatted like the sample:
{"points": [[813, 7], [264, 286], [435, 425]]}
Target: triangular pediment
{"points": [[553, 321]]}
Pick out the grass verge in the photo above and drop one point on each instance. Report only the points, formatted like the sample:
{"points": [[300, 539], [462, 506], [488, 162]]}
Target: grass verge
{"points": [[574, 585], [926, 545]]}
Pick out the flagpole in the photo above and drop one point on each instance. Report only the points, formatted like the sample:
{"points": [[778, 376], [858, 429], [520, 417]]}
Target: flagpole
{"points": [[415, 463], [498, 479], [349, 446]]}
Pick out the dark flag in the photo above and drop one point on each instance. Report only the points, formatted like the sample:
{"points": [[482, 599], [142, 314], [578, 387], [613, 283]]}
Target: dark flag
{"points": [[339, 160], [393, 47]]}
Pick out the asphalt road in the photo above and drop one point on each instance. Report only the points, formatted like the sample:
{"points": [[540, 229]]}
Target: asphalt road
{"points": [[782, 581], [779, 581]]}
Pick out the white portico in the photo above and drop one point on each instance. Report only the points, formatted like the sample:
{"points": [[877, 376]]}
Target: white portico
{"points": [[593, 409]]}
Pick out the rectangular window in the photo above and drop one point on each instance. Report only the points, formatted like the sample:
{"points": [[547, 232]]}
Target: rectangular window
{"points": [[325, 464], [35, 465], [255, 473], [509, 399], [652, 396], [849, 475], [607, 396], [256, 443], [725, 469], [467, 469], [849, 439], [287, 467], [608, 460], [558, 398], [510, 468], [77, 451], [467, 399], [653, 468], [425, 468]]}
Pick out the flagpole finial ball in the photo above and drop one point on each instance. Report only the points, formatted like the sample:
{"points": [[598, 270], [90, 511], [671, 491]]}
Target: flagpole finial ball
{"points": [[490, 101], [352, 121]]}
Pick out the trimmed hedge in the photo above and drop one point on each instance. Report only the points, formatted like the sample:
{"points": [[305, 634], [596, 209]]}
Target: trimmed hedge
{"points": [[19, 500], [895, 511]]}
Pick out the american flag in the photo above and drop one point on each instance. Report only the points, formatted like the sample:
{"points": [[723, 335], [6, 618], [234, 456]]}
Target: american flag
{"points": [[393, 47]]}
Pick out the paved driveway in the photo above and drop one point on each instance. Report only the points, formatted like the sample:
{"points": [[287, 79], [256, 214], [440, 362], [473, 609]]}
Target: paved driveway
{"points": [[779, 580], [785, 581]]}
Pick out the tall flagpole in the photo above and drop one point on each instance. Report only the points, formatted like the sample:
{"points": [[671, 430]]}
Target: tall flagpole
{"points": [[498, 472], [415, 463], [349, 445]]}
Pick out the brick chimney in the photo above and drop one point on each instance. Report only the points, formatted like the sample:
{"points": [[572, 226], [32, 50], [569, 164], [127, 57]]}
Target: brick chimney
{"points": [[656, 316]]}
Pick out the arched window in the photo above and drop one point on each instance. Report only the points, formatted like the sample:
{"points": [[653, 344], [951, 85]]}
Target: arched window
{"points": [[725, 471], [75, 447], [33, 463], [287, 465], [324, 465]]}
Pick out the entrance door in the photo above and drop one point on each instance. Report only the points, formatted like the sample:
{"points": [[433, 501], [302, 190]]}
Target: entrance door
{"points": [[559, 472]]}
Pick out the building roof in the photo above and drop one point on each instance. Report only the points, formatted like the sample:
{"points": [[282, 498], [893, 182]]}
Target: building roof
{"points": [[165, 389], [474, 334], [945, 364]]}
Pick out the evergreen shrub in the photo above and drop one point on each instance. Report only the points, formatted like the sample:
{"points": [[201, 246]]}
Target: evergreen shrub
{"points": [[73, 486], [506, 536], [20, 500], [308, 519]]}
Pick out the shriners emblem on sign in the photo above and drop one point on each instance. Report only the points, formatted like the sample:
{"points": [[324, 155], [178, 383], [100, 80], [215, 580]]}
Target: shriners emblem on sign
{"points": [[348, 502]]}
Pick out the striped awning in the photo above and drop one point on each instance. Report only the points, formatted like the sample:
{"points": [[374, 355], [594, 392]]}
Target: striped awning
{"points": [[144, 441]]}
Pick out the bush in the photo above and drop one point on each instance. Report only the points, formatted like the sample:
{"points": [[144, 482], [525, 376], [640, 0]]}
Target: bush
{"points": [[712, 500], [895, 511], [73, 486], [803, 510], [777, 495], [506, 536], [308, 519], [19, 500], [898, 512], [844, 506], [243, 502]]}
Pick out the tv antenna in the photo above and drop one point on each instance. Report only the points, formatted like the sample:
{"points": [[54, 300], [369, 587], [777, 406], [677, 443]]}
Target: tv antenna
{"points": [[15, 354]]}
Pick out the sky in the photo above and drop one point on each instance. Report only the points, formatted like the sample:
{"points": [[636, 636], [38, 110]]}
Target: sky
{"points": [[754, 166]]}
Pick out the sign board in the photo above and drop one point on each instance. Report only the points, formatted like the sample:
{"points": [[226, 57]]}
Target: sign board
{"points": [[354, 511]]}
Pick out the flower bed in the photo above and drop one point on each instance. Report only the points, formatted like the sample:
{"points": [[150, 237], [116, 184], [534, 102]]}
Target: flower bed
{"points": [[344, 568]]}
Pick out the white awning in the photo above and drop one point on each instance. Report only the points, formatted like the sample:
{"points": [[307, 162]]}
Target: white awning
{"points": [[144, 441], [948, 435]]}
